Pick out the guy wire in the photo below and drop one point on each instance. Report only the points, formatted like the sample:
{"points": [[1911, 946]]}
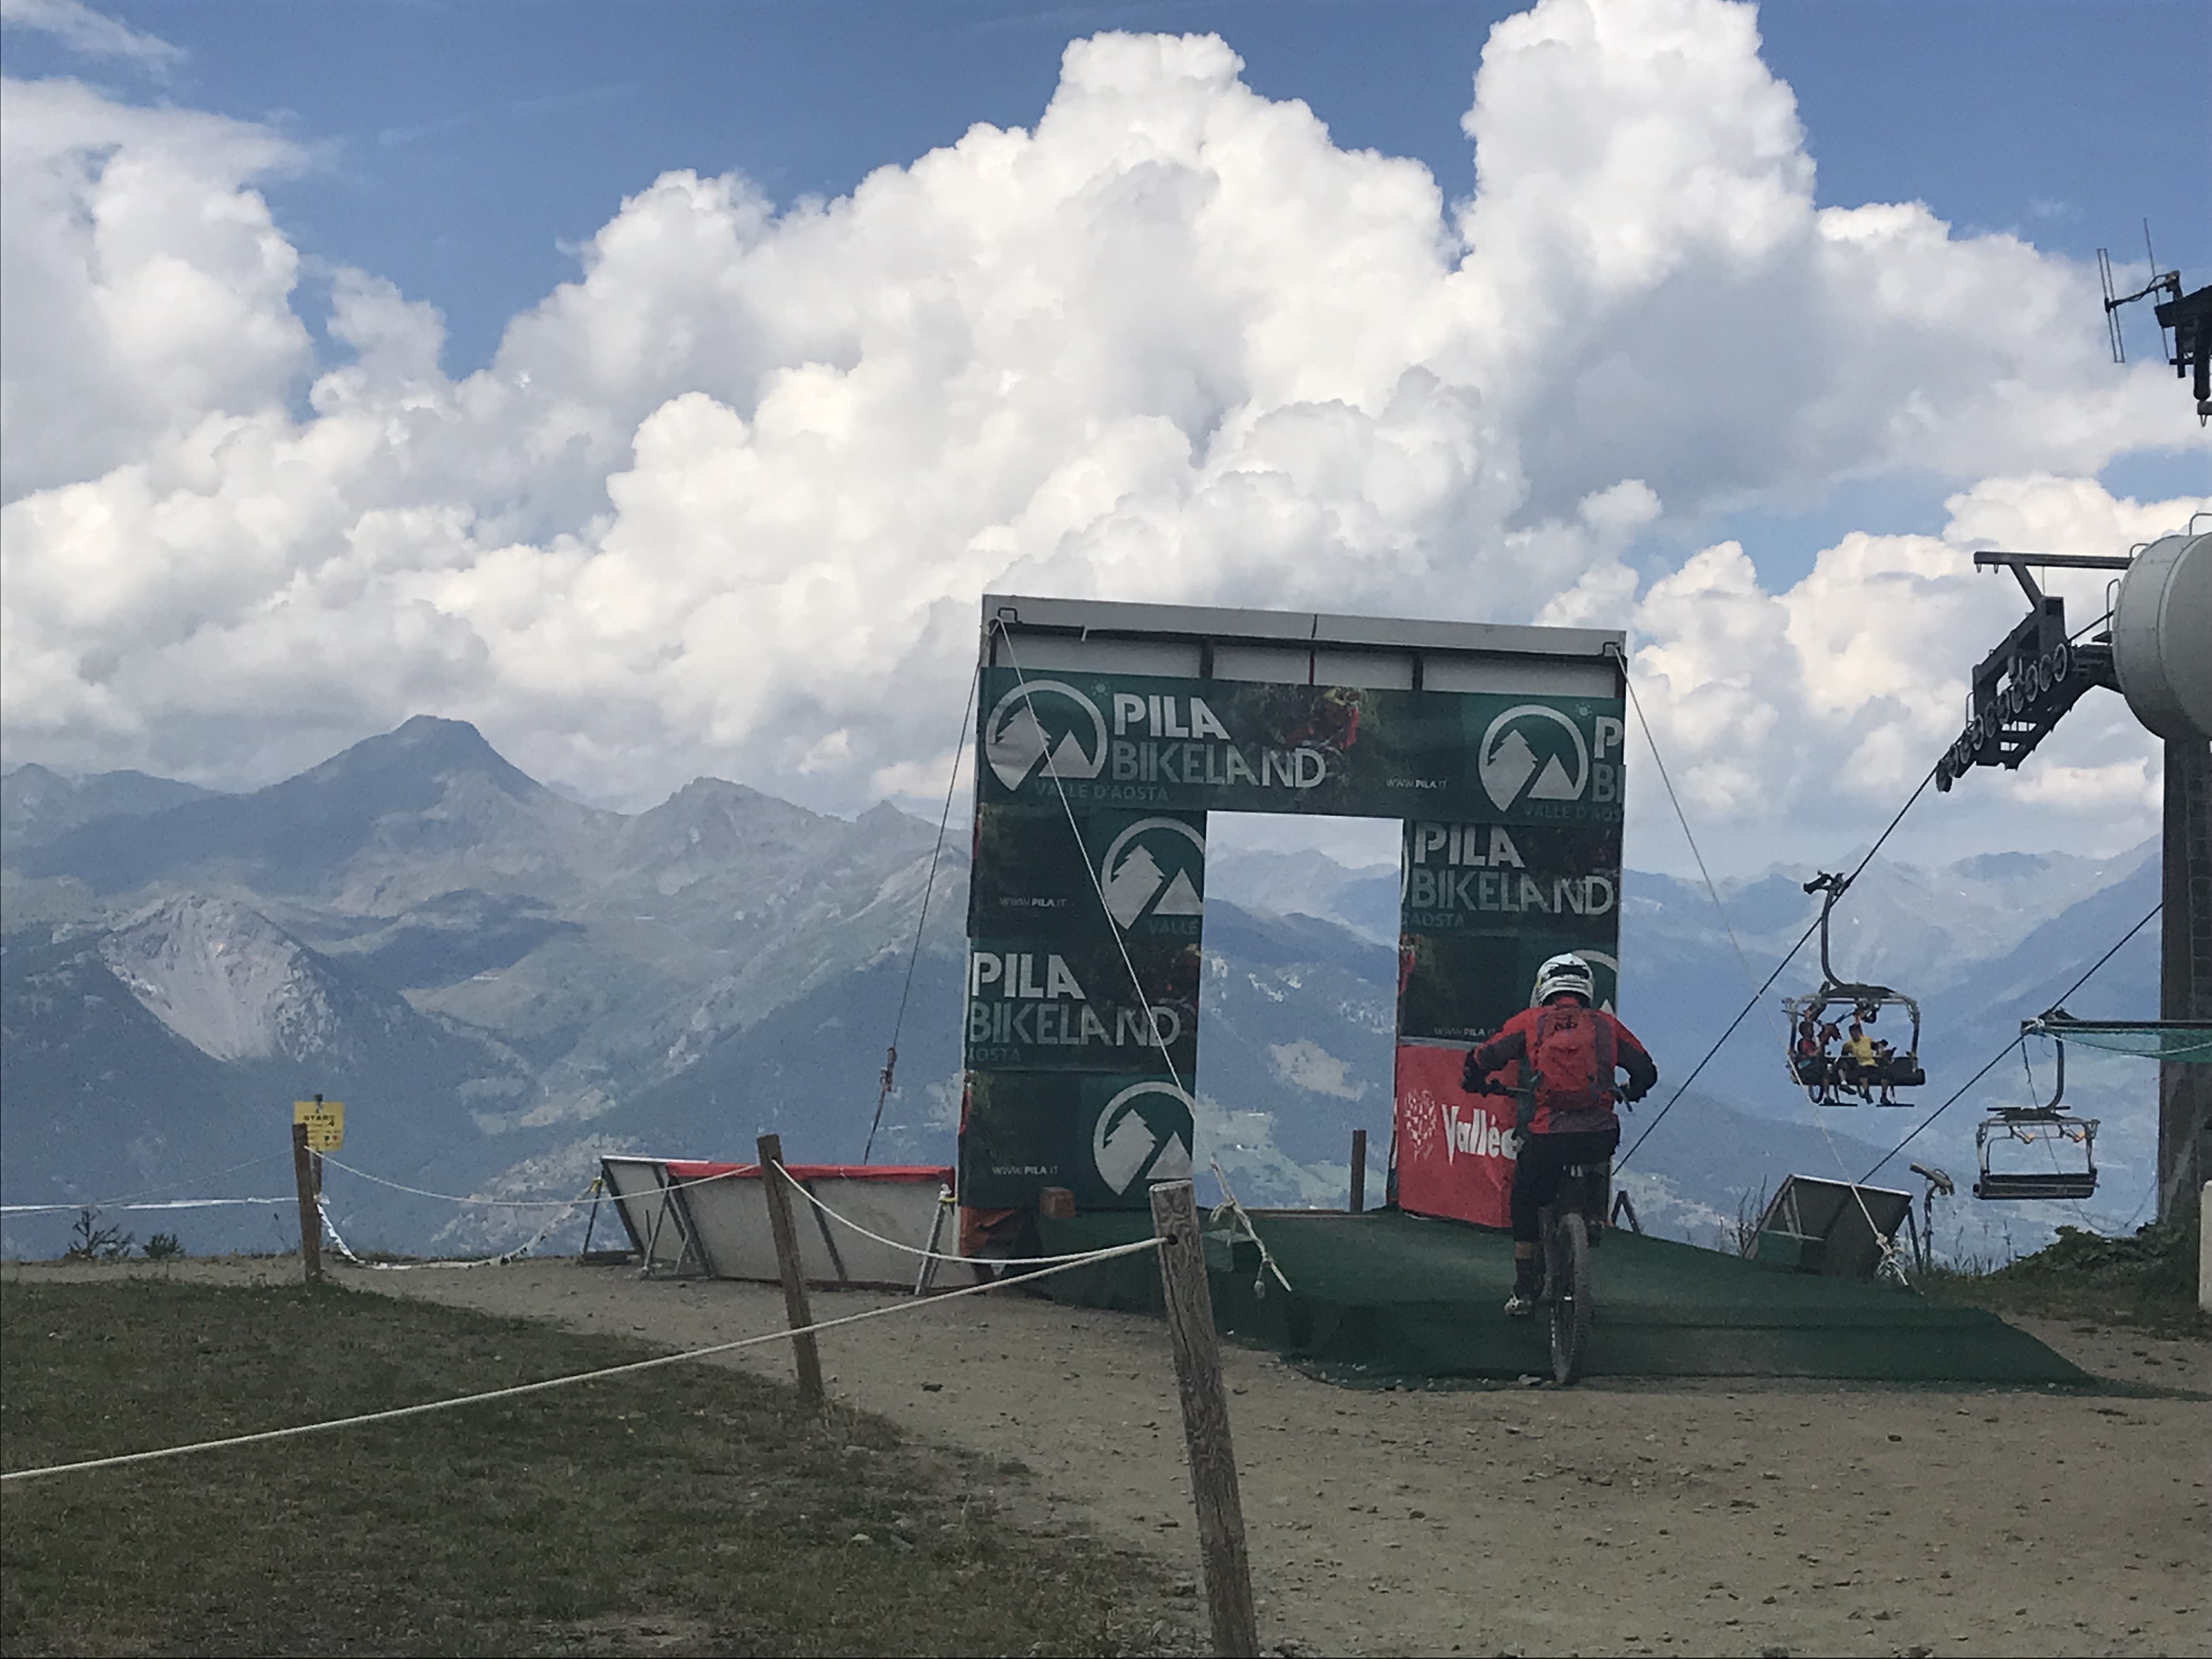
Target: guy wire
{"points": [[1121, 944], [898, 1021]]}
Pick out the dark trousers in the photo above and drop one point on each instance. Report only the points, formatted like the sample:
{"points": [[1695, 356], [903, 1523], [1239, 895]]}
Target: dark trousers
{"points": [[1543, 1160]]}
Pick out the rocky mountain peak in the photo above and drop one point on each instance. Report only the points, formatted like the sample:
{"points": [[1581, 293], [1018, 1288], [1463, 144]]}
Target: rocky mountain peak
{"points": [[719, 797], [883, 816], [714, 819], [406, 765], [37, 803], [426, 808], [225, 978]]}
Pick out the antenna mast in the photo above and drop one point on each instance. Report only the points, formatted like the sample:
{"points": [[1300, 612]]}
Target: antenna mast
{"points": [[2185, 322]]}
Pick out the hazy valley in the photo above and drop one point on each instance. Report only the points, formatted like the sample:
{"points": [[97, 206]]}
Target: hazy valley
{"points": [[501, 983]]}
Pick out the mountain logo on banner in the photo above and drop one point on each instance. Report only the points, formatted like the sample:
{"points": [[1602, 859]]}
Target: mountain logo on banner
{"points": [[1145, 1133], [1610, 964], [1045, 723], [1531, 752], [1155, 867]]}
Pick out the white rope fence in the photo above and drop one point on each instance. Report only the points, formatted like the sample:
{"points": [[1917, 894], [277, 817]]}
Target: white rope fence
{"points": [[517, 1390], [1234, 1213], [563, 1209], [482, 1202], [1023, 1262], [346, 1253], [164, 1204], [563, 1205], [129, 1200]]}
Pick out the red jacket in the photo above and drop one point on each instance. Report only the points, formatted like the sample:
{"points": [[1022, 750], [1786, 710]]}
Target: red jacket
{"points": [[1616, 1047]]}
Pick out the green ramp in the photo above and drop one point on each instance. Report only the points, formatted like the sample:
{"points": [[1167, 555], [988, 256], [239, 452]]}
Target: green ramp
{"points": [[1387, 1297]]}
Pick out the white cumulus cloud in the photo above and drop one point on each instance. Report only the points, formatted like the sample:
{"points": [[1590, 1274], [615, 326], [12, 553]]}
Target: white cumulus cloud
{"points": [[1785, 714], [93, 34], [725, 502]]}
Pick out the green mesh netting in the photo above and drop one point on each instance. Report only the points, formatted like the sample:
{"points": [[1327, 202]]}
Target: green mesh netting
{"points": [[2190, 1042], [1388, 1296]]}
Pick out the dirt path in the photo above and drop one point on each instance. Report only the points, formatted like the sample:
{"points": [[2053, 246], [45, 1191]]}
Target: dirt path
{"points": [[1674, 1517]]}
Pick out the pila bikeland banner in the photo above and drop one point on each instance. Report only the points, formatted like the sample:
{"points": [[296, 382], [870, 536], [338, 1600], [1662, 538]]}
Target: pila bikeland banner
{"points": [[1482, 904], [1042, 870], [1084, 934], [1105, 1137], [1072, 1005], [1138, 741], [1087, 900], [1481, 907], [1081, 1009]]}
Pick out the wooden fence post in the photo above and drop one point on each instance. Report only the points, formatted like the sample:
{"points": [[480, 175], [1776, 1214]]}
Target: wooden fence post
{"points": [[778, 1193], [311, 1218], [1359, 1170], [1205, 1421]]}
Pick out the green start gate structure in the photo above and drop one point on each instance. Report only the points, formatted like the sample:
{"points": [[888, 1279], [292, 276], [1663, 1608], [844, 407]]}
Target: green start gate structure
{"points": [[1107, 732]]}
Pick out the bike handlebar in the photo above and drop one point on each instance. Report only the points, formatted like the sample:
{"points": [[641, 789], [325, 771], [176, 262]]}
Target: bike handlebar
{"points": [[1506, 1091]]}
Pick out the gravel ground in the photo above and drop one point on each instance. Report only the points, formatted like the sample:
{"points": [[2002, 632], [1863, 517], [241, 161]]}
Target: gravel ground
{"points": [[1674, 1517]]}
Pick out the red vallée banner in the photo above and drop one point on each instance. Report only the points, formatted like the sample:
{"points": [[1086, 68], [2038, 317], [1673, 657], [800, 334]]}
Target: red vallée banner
{"points": [[1452, 1158]]}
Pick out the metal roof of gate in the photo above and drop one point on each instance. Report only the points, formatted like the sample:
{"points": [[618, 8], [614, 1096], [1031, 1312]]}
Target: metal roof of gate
{"points": [[1301, 648]]}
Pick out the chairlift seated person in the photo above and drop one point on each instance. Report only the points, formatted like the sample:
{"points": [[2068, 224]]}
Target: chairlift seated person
{"points": [[1858, 1065], [1871, 1071]]}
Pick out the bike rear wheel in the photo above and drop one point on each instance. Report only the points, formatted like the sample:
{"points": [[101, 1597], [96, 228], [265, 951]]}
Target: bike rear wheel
{"points": [[1567, 1264]]}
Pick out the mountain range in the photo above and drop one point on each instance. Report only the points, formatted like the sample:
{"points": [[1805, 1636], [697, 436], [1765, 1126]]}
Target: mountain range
{"points": [[501, 983]]}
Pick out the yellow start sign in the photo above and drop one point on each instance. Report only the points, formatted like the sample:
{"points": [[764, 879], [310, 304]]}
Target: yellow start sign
{"points": [[325, 1121]]}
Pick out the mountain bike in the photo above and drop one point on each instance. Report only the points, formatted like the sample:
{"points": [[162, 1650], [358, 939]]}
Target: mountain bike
{"points": [[1567, 1225], [1565, 1229]]}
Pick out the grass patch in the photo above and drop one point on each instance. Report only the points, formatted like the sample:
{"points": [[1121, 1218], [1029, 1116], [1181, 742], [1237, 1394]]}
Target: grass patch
{"points": [[692, 1509], [2147, 1281]]}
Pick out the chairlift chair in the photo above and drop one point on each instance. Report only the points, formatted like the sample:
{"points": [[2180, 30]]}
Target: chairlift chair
{"points": [[2070, 1142], [1826, 1080]]}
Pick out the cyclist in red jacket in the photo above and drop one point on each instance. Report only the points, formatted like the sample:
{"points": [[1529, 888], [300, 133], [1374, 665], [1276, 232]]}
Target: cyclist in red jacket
{"points": [[1568, 1048]]}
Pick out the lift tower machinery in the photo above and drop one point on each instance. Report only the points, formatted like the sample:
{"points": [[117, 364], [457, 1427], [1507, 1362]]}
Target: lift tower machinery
{"points": [[2184, 323], [2156, 651]]}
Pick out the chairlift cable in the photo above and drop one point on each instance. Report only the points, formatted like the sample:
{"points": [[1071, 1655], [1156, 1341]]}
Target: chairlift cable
{"points": [[1779, 969], [2020, 1041], [1651, 741], [1759, 995], [1712, 892], [928, 886], [2056, 1001]]}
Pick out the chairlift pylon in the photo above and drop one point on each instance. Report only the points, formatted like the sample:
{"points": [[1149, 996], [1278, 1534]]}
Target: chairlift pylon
{"points": [[1843, 1078], [2071, 1143], [1940, 1185]]}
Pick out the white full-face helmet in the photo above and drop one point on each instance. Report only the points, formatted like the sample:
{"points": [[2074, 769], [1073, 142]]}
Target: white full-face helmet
{"points": [[1568, 972]]}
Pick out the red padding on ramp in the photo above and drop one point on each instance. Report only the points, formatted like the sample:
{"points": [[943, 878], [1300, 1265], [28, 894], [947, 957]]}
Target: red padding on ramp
{"points": [[1451, 1160]]}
